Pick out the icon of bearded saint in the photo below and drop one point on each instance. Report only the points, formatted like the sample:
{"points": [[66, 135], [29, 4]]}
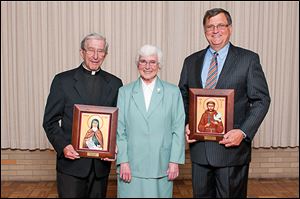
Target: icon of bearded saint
{"points": [[211, 120]]}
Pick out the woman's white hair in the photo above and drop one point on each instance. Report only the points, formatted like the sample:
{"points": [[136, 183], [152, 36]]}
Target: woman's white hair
{"points": [[149, 50]]}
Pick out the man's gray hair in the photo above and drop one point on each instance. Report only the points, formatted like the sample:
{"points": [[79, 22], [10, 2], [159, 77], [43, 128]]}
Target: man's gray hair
{"points": [[149, 50], [94, 36]]}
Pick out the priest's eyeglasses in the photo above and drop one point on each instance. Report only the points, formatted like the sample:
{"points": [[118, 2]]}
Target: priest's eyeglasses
{"points": [[91, 51]]}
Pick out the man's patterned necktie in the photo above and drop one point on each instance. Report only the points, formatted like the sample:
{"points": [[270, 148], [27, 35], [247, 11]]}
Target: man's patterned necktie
{"points": [[211, 80]]}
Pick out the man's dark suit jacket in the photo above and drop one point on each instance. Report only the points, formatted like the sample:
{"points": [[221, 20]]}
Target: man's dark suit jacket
{"points": [[243, 73], [66, 90]]}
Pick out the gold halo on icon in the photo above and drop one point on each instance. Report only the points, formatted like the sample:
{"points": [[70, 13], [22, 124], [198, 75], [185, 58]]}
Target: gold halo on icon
{"points": [[210, 99], [89, 121]]}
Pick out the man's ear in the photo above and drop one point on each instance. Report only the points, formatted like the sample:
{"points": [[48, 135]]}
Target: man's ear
{"points": [[81, 53]]}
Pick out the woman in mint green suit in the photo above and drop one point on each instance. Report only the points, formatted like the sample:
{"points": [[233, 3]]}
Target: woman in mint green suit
{"points": [[150, 136]]}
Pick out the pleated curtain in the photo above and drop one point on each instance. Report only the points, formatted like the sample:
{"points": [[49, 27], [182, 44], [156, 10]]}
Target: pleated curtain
{"points": [[41, 39]]}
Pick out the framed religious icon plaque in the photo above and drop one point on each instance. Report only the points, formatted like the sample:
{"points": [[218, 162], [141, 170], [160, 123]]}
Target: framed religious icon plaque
{"points": [[94, 131], [210, 113]]}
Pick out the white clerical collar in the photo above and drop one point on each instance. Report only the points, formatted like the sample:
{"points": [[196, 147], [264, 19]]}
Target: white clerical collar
{"points": [[93, 72]]}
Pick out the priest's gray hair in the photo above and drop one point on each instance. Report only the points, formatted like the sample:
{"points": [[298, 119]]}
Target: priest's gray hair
{"points": [[94, 36], [150, 50]]}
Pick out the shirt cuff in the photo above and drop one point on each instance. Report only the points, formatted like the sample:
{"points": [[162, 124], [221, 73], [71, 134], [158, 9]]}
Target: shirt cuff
{"points": [[244, 134]]}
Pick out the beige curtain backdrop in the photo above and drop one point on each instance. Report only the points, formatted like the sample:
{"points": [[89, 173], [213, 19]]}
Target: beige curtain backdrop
{"points": [[41, 39]]}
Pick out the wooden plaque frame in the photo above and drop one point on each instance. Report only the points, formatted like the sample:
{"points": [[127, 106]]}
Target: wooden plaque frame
{"points": [[82, 132], [210, 125]]}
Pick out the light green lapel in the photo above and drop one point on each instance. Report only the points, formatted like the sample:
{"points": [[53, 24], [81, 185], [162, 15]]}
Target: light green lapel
{"points": [[138, 97], [157, 96]]}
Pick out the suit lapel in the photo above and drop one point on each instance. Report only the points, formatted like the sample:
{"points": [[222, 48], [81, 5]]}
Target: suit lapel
{"points": [[79, 87], [228, 65], [198, 69], [138, 97], [105, 89], [157, 96]]}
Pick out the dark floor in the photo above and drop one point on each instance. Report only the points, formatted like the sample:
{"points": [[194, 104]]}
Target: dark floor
{"points": [[257, 188]]}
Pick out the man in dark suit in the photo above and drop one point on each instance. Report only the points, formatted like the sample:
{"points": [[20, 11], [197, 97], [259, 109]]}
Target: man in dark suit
{"points": [[220, 169], [88, 84]]}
